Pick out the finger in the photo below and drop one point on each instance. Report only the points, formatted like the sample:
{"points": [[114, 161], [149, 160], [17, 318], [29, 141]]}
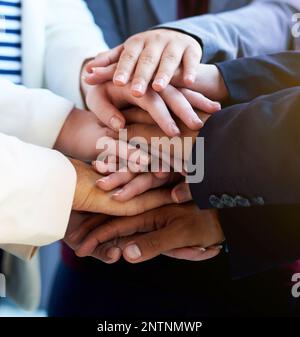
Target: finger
{"points": [[181, 107], [105, 59], [146, 68], [117, 228], [85, 227], [128, 60], [115, 180], [200, 102], [170, 62], [193, 253], [181, 193], [144, 130], [158, 110], [110, 148], [146, 201], [137, 115], [100, 104], [107, 253], [139, 185], [105, 168], [191, 58], [158, 150], [100, 75], [150, 245]]}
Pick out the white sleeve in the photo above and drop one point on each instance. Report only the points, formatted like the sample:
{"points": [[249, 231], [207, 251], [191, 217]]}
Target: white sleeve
{"points": [[71, 38], [36, 194], [35, 116]]}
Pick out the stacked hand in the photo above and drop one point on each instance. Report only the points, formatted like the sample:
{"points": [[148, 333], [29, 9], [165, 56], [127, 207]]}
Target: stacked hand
{"points": [[127, 213], [139, 238]]}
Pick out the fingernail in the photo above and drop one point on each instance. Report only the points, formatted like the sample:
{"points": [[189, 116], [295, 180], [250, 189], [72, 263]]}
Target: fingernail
{"points": [[197, 121], [116, 123], [181, 195], [138, 87], [116, 194], [190, 78], [120, 78], [103, 180], [174, 129], [113, 253], [133, 252], [160, 82], [202, 249], [216, 105]]}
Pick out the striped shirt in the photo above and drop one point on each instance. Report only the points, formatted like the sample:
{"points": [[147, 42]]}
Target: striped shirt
{"points": [[10, 41]]}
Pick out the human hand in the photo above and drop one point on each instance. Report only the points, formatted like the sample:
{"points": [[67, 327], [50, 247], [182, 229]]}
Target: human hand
{"points": [[79, 135], [155, 53], [80, 225], [208, 81], [106, 100], [89, 198], [181, 231], [142, 125]]}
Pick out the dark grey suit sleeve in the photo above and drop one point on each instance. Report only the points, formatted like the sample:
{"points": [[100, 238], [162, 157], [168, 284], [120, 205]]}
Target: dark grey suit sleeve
{"points": [[252, 154], [106, 14], [261, 238], [263, 27], [247, 78]]}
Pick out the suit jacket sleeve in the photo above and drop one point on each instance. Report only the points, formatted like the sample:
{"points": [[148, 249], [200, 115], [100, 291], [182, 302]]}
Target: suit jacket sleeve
{"points": [[261, 238], [71, 38], [247, 78], [242, 32], [252, 151], [252, 176]]}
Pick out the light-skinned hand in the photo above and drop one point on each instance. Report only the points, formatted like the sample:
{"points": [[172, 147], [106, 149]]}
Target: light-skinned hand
{"points": [[131, 184], [89, 198], [79, 135], [152, 54], [107, 100]]}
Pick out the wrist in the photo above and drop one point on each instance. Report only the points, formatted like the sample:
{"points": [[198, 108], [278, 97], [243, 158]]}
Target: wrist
{"points": [[63, 142], [210, 82]]}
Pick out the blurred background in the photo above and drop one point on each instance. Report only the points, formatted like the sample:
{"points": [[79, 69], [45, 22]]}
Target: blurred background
{"points": [[49, 256]]}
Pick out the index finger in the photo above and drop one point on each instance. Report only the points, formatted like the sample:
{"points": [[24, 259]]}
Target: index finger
{"points": [[115, 228], [105, 59]]}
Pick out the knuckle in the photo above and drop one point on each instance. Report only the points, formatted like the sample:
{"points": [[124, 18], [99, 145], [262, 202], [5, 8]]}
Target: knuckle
{"points": [[147, 59], [194, 54], [135, 39], [152, 243], [157, 36], [110, 230], [129, 56], [171, 57]]}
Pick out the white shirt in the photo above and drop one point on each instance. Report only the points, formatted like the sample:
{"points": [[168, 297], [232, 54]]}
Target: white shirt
{"points": [[37, 184]]}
